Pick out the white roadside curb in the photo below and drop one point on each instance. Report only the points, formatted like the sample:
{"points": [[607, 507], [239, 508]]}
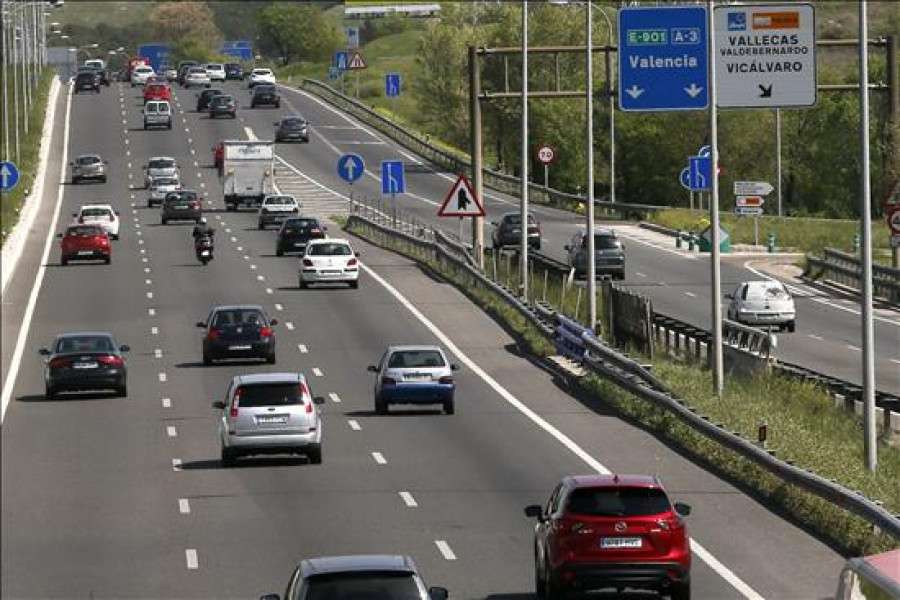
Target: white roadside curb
{"points": [[15, 243]]}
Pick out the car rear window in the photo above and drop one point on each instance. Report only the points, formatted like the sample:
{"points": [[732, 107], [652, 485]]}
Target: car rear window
{"points": [[162, 163], [84, 230], [618, 502], [773, 291], [87, 160], [279, 200], [302, 224], [224, 318], [95, 212], [606, 242], [181, 197], [329, 250], [378, 585], [293, 122], [87, 343], [271, 394], [517, 220], [413, 359]]}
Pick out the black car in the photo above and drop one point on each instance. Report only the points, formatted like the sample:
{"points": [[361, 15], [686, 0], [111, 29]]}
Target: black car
{"points": [[204, 98], [86, 361], [265, 94], [87, 81], [183, 68], [508, 231], [183, 205], [234, 71], [296, 232], [609, 254], [292, 129], [239, 331], [222, 105]]}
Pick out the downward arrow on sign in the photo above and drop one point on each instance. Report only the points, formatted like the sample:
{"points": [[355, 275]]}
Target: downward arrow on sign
{"points": [[765, 92], [694, 90], [634, 91]]}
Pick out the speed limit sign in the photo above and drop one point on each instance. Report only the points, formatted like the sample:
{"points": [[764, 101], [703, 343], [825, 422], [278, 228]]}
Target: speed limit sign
{"points": [[894, 218], [546, 154]]}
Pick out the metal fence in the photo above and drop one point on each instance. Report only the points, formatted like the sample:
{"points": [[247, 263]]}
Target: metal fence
{"points": [[844, 269], [581, 345]]}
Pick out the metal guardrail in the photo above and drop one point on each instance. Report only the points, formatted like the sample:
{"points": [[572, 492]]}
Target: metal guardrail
{"points": [[580, 344], [844, 269], [501, 182]]}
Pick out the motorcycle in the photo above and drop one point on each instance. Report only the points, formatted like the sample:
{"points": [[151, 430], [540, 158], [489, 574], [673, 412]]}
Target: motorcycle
{"points": [[203, 246]]}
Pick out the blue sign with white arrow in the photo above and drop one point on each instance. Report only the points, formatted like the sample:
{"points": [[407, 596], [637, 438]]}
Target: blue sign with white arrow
{"points": [[9, 175], [685, 178], [663, 58], [392, 83], [393, 180], [350, 167], [699, 173], [340, 61]]}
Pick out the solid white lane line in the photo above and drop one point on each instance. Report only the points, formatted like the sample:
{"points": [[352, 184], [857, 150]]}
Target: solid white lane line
{"points": [[815, 337], [690, 294], [167, 402], [176, 464], [278, 306], [184, 507], [638, 273], [302, 348], [190, 556], [379, 458], [555, 433], [317, 371], [171, 431], [445, 550], [163, 378], [724, 572], [408, 499], [354, 424], [289, 326], [334, 398], [854, 348]]}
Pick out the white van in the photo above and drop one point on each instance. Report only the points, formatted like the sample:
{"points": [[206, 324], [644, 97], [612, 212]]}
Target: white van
{"points": [[157, 113], [96, 63]]}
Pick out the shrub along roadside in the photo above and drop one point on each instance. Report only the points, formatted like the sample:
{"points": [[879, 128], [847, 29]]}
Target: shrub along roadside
{"points": [[29, 149], [804, 426]]}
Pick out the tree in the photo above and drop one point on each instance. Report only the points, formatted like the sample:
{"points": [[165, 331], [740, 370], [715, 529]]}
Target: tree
{"points": [[297, 31], [173, 22]]}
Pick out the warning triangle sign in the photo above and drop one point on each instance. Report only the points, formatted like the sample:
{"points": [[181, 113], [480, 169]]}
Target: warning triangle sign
{"points": [[356, 62], [461, 201]]}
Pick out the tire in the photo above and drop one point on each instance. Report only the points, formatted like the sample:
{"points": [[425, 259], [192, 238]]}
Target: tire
{"points": [[792, 326], [449, 407], [204, 260], [76, 180], [103, 179], [271, 359], [315, 455], [279, 251], [122, 391], [64, 261], [253, 105], [681, 591], [165, 221], [146, 127], [49, 393], [540, 586], [169, 127], [227, 457], [552, 590], [354, 284], [278, 105], [260, 225], [207, 360], [381, 407], [107, 260], [302, 284]]}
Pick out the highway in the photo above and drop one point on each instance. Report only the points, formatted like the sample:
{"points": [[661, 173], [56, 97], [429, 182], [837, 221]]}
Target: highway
{"points": [[828, 335], [112, 498]]}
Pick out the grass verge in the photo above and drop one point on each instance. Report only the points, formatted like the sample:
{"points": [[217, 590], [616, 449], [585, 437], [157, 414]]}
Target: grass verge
{"points": [[803, 423], [29, 152]]}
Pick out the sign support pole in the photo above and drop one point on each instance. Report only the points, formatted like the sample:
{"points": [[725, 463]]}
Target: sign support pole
{"points": [[716, 291], [778, 157], [589, 115], [477, 157], [547, 176], [868, 333], [523, 206]]}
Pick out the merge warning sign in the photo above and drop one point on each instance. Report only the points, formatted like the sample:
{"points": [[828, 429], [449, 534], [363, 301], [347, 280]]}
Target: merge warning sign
{"points": [[765, 56]]}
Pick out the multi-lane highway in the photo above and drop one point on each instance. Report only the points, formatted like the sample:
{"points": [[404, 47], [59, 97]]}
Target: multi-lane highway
{"points": [[110, 498]]}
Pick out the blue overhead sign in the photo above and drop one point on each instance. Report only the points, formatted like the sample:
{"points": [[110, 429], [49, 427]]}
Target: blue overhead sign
{"points": [[393, 181], [9, 175], [699, 173], [240, 49], [392, 83], [663, 58], [340, 61], [350, 167]]}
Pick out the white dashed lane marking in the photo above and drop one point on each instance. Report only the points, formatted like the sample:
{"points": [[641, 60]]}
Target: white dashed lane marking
{"points": [[176, 464], [317, 371], [280, 307], [302, 348], [190, 556], [154, 331], [163, 378], [171, 431], [184, 507], [157, 353], [167, 402], [334, 398], [354, 425], [379, 458], [408, 499], [289, 326], [445, 550]]}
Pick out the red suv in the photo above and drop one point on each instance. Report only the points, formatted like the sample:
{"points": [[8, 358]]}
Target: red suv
{"points": [[85, 242], [157, 91], [611, 532]]}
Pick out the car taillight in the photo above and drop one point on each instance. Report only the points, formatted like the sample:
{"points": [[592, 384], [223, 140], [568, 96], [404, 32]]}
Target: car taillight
{"points": [[385, 380], [265, 211], [213, 333], [315, 231], [307, 262], [112, 360], [104, 241], [286, 231], [60, 362], [267, 332], [309, 408], [446, 379], [81, 219], [195, 205], [352, 262], [236, 402]]}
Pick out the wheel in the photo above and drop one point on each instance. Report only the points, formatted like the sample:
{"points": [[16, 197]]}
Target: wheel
{"points": [[552, 590], [354, 284], [540, 585], [103, 179], [253, 105], [146, 127], [260, 225], [315, 455], [271, 359], [107, 260], [302, 285], [228, 457], [204, 260], [449, 407], [64, 261], [207, 360], [381, 407], [792, 326], [278, 105], [115, 236], [76, 180], [279, 251], [165, 221], [197, 220], [169, 127], [681, 591], [49, 393], [122, 391]]}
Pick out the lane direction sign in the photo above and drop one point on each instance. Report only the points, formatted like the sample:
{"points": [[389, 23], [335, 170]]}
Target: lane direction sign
{"points": [[356, 62], [663, 58], [700, 173], [350, 167], [9, 175], [340, 61], [753, 188], [393, 178], [392, 84], [685, 178], [748, 211], [461, 201], [765, 55]]}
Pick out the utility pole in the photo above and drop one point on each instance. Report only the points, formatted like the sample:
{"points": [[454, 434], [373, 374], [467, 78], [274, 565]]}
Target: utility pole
{"points": [[523, 206], [589, 115], [716, 291], [477, 157]]}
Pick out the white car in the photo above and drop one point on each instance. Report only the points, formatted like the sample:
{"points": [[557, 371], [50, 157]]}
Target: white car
{"points": [[100, 214], [170, 73], [261, 76], [141, 74], [196, 76], [331, 260], [765, 303], [275, 209], [215, 71], [160, 186]]}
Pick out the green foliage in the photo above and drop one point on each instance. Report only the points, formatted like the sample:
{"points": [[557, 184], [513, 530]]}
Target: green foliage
{"points": [[298, 32]]}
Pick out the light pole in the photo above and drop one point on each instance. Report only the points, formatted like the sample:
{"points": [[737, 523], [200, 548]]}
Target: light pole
{"points": [[523, 249]]}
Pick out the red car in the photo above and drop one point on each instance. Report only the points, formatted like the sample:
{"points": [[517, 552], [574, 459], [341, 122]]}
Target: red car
{"points": [[157, 91], [616, 532], [85, 242]]}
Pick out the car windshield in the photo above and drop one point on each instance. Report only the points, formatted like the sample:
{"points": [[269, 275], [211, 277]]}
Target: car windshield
{"points": [[293, 123], [181, 197], [164, 181], [84, 231], [238, 316], [271, 394], [95, 212], [162, 163], [84, 343], [363, 586], [88, 160], [618, 502], [329, 250], [414, 359]]}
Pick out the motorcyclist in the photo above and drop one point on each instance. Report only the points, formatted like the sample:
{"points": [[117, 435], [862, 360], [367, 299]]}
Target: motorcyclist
{"points": [[202, 229]]}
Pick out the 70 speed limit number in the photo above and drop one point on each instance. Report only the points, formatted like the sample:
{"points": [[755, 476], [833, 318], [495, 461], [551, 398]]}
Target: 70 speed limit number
{"points": [[546, 154]]}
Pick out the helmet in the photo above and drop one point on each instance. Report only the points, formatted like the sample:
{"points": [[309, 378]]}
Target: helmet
{"points": [[203, 220]]}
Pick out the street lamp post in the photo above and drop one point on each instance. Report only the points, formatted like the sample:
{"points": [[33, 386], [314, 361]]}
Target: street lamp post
{"points": [[589, 104], [523, 249]]}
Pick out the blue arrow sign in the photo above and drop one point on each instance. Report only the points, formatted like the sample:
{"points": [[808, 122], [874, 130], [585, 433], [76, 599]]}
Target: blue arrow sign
{"points": [[663, 58], [392, 84], [333, 72], [350, 167], [9, 175], [700, 173], [393, 181], [685, 178], [340, 61], [704, 151]]}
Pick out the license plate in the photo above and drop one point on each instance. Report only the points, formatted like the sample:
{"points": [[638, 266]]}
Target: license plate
{"points": [[240, 347], [85, 253], [417, 377], [331, 272], [84, 365], [299, 244], [620, 542], [272, 420], [204, 253]]}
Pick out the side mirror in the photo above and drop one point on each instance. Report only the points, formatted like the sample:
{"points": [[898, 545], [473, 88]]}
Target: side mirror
{"points": [[201, 324], [125, 348], [534, 511], [218, 404], [357, 254], [273, 321], [324, 229], [71, 163], [729, 296], [454, 367], [438, 593], [44, 352], [682, 509], [117, 212], [319, 400], [372, 369]]}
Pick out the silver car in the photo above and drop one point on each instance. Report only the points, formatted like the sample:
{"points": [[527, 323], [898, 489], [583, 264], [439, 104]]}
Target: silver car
{"points": [[197, 76], [414, 375], [270, 413], [88, 166], [763, 303], [160, 187], [160, 166]]}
